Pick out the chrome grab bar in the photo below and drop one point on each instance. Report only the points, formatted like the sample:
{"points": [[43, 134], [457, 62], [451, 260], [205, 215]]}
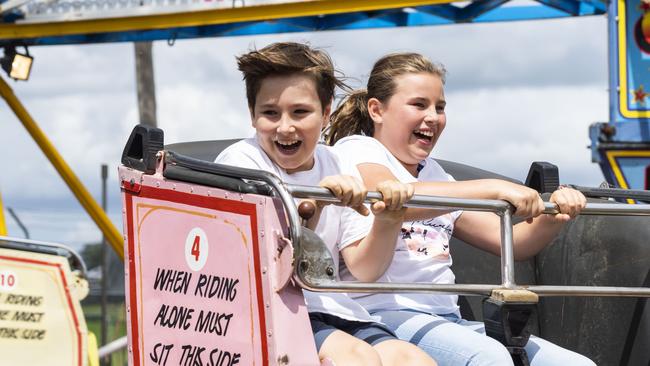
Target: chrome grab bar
{"points": [[504, 210]]}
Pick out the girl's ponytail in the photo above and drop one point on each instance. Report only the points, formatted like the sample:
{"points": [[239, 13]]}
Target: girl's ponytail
{"points": [[350, 118]]}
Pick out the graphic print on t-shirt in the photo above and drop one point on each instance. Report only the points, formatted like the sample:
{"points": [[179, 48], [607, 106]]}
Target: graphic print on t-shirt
{"points": [[428, 238]]}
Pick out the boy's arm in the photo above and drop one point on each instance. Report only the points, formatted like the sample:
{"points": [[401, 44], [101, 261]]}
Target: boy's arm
{"points": [[368, 258], [482, 229]]}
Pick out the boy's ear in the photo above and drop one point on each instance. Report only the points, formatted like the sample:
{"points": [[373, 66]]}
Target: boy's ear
{"points": [[252, 117], [326, 115], [375, 110]]}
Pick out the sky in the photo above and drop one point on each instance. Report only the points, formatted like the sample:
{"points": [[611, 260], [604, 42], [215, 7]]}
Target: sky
{"points": [[516, 92]]}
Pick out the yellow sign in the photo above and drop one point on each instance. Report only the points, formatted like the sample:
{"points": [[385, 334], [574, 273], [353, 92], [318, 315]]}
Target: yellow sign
{"points": [[41, 322]]}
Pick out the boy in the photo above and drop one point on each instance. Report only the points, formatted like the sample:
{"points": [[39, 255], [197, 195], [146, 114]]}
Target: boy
{"points": [[290, 88]]}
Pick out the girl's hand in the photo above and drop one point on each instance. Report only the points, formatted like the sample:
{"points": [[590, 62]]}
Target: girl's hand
{"points": [[569, 201], [395, 195], [349, 190], [527, 202]]}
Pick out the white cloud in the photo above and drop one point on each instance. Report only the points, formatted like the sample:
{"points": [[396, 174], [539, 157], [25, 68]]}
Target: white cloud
{"points": [[506, 129]]}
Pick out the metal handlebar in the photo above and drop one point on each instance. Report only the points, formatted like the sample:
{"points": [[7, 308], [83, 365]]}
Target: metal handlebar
{"points": [[504, 210]]}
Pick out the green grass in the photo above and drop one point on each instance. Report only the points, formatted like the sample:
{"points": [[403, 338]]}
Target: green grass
{"points": [[116, 321]]}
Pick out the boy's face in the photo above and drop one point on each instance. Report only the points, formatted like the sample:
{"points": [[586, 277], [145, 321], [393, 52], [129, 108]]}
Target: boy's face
{"points": [[288, 118]]}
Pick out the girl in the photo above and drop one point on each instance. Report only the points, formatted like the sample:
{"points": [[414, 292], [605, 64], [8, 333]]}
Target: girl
{"points": [[396, 124]]}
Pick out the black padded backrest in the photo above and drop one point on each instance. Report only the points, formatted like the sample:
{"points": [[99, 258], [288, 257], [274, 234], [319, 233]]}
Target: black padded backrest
{"points": [[466, 172], [209, 150], [203, 150]]}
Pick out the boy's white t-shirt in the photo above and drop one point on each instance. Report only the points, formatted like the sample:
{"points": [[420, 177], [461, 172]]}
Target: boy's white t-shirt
{"points": [[338, 226], [422, 250]]}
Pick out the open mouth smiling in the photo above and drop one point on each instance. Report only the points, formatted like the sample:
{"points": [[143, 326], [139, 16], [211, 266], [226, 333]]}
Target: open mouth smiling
{"points": [[424, 135], [288, 146]]}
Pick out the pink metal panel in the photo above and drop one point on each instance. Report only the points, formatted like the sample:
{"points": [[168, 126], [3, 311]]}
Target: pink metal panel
{"points": [[289, 329], [206, 279]]}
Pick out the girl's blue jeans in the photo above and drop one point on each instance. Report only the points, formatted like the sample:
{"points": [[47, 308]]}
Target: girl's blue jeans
{"points": [[453, 341]]}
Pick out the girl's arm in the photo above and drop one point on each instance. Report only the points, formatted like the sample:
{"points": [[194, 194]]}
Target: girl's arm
{"points": [[482, 229], [526, 201], [369, 258]]}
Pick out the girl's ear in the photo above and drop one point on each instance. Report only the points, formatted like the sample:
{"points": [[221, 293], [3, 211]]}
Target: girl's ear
{"points": [[375, 110]]}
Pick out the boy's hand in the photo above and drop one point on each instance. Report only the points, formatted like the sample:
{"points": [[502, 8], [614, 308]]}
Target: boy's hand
{"points": [[349, 190], [527, 202], [395, 195], [569, 201]]}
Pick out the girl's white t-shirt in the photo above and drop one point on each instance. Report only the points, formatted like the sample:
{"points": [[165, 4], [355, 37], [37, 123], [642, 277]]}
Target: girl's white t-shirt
{"points": [[338, 226], [422, 250]]}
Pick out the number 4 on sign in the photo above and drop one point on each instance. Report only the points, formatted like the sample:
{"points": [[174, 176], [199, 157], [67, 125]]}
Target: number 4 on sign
{"points": [[196, 247]]}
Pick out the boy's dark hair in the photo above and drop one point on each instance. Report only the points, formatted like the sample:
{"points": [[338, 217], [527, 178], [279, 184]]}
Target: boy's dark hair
{"points": [[287, 58]]}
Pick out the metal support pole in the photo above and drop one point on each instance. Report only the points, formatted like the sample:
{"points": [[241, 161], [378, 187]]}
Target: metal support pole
{"points": [[507, 250], [89, 204], [104, 299], [20, 223], [144, 77]]}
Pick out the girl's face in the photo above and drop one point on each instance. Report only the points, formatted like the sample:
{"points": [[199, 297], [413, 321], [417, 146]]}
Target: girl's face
{"points": [[288, 118], [411, 121]]}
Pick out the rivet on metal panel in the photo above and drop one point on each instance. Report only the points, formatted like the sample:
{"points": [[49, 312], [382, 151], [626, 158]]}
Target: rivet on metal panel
{"points": [[132, 182], [329, 271], [241, 197], [262, 233], [264, 269], [268, 305], [283, 360], [209, 193], [269, 333], [304, 265], [191, 189], [157, 184], [173, 187], [225, 195]]}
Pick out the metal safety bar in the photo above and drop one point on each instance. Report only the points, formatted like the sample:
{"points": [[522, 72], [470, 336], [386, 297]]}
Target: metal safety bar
{"points": [[504, 210], [44, 247]]}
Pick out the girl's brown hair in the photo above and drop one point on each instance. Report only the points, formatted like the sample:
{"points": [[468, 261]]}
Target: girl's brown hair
{"points": [[352, 118], [288, 58]]}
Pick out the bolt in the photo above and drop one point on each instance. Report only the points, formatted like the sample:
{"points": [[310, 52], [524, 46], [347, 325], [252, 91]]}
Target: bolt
{"points": [[329, 271], [283, 360]]}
